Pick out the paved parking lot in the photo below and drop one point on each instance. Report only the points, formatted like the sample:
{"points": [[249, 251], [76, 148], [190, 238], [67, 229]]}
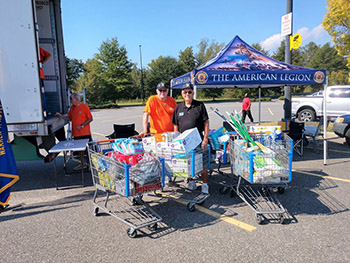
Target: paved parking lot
{"points": [[46, 225]]}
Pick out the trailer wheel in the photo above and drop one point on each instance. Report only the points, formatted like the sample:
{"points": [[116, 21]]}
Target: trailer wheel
{"points": [[131, 232]]}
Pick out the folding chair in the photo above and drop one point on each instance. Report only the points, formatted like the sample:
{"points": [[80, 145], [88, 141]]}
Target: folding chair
{"points": [[123, 131], [296, 133]]}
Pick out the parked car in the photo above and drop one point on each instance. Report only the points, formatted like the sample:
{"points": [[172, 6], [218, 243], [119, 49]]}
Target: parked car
{"points": [[317, 93], [310, 108], [341, 127]]}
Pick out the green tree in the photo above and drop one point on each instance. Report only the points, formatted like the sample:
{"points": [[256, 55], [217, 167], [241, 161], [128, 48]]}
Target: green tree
{"points": [[337, 23], [258, 47], [187, 60], [109, 74], [163, 69], [207, 51], [327, 58], [75, 68]]}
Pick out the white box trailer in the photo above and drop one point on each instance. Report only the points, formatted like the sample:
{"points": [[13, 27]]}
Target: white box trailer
{"points": [[30, 108]]}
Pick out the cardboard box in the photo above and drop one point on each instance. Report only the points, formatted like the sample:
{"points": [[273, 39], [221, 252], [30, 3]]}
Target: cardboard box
{"points": [[166, 137], [187, 141], [149, 144], [182, 166]]}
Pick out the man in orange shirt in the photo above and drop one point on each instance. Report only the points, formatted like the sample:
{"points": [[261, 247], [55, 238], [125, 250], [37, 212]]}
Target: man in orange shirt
{"points": [[159, 109], [81, 117]]}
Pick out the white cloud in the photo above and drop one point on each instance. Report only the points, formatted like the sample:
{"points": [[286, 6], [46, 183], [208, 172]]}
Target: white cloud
{"points": [[317, 34], [272, 43]]}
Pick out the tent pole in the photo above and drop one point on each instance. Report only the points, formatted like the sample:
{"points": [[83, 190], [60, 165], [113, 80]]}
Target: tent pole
{"points": [[259, 104], [195, 92], [325, 150], [171, 92]]}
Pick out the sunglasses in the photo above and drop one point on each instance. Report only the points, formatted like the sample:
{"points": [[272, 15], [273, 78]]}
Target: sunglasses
{"points": [[163, 90], [187, 92]]}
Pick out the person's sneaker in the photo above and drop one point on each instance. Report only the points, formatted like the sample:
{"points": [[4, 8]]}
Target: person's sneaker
{"points": [[192, 185], [205, 188]]}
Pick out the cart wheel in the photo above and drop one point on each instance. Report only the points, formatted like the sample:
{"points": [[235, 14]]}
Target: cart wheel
{"points": [[259, 219], [137, 201], [281, 190], [232, 193], [265, 191], [281, 219], [132, 232], [191, 207], [96, 211], [223, 190], [153, 227]]}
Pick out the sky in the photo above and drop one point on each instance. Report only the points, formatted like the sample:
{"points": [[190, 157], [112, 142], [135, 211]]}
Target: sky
{"points": [[164, 28]]}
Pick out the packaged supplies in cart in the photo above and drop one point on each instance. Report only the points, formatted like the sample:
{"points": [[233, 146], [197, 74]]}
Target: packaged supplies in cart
{"points": [[164, 150], [147, 170], [120, 188], [134, 146], [182, 166], [214, 138], [149, 145], [166, 137], [275, 133], [131, 159], [187, 141], [149, 187]]}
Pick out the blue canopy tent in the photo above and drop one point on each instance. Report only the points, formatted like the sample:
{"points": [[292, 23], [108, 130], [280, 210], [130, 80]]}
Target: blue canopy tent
{"points": [[238, 65]]}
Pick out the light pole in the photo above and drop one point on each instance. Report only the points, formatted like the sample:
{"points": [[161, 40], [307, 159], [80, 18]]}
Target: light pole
{"points": [[142, 86], [288, 59]]}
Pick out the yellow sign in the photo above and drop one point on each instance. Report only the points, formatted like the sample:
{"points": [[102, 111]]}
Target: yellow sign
{"points": [[295, 41]]}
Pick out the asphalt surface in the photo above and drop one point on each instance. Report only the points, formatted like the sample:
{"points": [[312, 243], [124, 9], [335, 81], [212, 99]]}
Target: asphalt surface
{"points": [[43, 224]]}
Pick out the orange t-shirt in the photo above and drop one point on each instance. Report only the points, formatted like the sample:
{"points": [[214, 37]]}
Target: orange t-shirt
{"points": [[79, 114], [43, 55], [161, 113]]}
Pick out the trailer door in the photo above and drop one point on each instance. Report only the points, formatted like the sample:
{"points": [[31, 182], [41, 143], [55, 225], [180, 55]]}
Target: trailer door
{"points": [[20, 91]]}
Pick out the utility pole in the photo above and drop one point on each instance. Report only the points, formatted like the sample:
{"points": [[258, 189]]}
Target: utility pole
{"points": [[288, 59], [142, 86]]}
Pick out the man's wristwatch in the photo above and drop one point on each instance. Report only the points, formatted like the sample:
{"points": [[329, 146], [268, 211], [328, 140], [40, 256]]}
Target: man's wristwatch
{"points": [[82, 125]]}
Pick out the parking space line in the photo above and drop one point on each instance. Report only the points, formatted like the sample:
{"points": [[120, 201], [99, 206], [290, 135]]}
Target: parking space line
{"points": [[270, 111], [96, 133], [324, 176], [224, 218]]}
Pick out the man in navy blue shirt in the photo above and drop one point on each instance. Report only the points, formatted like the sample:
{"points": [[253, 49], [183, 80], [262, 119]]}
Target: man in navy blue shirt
{"points": [[192, 114]]}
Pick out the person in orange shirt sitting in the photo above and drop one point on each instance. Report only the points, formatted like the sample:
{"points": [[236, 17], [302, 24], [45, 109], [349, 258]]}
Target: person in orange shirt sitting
{"points": [[159, 110], [81, 117]]}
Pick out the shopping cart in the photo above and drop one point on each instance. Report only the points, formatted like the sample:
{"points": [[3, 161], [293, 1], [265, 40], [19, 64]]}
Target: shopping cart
{"points": [[123, 187], [261, 173], [184, 166]]}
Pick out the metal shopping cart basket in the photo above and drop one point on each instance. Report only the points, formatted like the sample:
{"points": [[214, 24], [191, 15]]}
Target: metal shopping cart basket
{"points": [[123, 186], [178, 164], [259, 173]]}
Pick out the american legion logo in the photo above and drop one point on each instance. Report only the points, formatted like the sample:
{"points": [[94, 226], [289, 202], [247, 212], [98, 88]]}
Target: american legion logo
{"points": [[201, 77], [319, 77]]}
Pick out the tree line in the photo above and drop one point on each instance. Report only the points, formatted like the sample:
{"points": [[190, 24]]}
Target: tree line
{"points": [[110, 76]]}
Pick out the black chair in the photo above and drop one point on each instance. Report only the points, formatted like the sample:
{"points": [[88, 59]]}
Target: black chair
{"points": [[123, 131], [296, 133]]}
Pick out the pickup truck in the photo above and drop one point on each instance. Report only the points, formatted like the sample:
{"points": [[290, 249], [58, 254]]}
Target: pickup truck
{"points": [[310, 108]]}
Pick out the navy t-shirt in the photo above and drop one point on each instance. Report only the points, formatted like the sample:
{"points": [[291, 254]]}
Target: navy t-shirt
{"points": [[190, 117]]}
